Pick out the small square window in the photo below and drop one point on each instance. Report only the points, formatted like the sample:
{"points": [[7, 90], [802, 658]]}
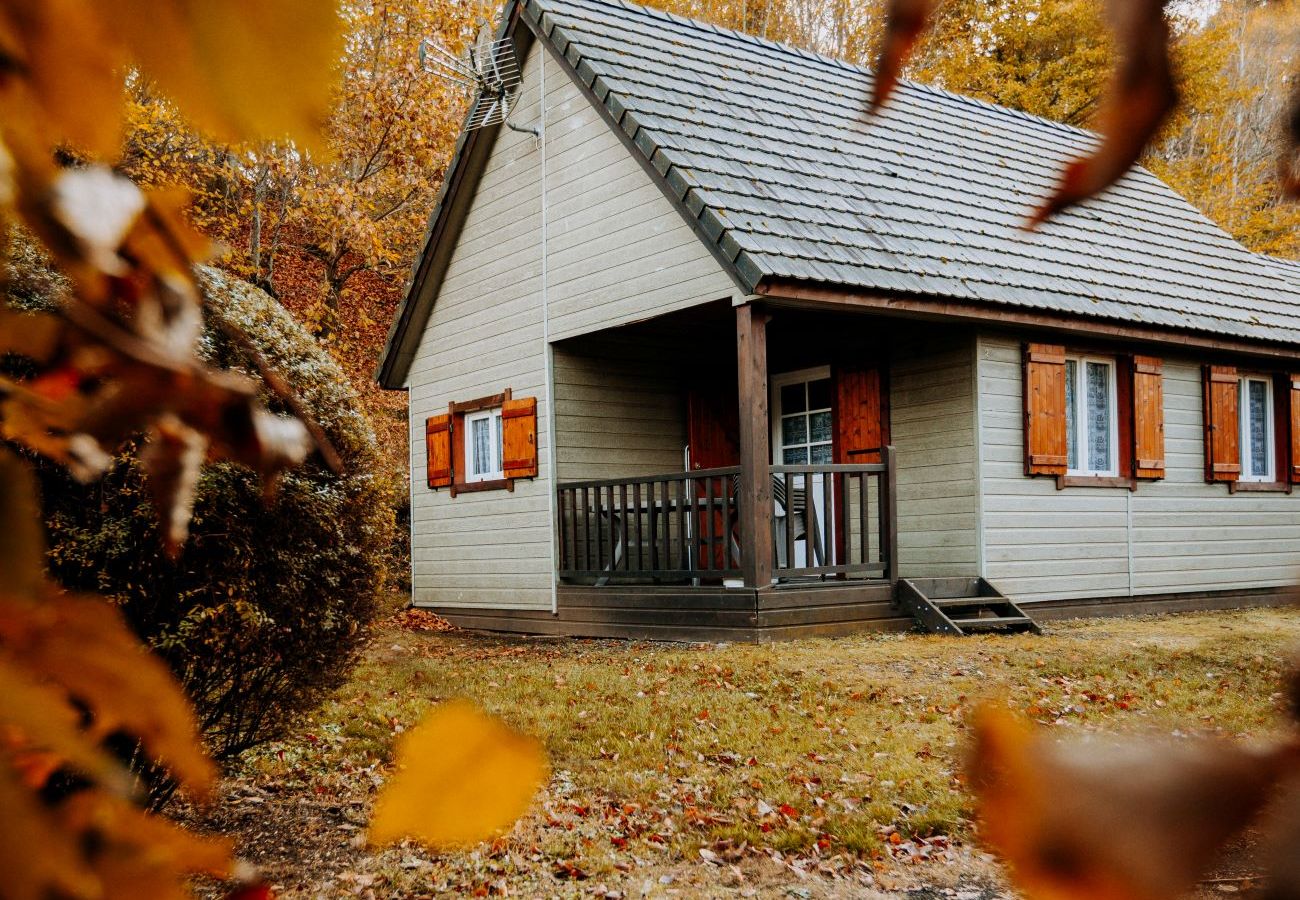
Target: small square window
{"points": [[1091, 423], [483, 447]]}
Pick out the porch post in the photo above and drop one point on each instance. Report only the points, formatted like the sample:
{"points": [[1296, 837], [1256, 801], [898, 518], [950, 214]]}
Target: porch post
{"points": [[755, 500]]}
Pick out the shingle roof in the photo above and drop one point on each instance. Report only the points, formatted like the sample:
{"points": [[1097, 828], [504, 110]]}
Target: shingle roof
{"points": [[772, 150]]}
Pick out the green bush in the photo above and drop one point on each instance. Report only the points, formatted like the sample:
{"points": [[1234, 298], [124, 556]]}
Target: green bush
{"points": [[266, 607]]}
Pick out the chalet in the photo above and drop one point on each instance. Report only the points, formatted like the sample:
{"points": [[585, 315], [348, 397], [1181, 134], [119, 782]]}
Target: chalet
{"points": [[696, 348]]}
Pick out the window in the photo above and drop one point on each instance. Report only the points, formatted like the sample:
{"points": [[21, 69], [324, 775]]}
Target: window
{"points": [[806, 433], [483, 446], [1255, 402], [1091, 422]]}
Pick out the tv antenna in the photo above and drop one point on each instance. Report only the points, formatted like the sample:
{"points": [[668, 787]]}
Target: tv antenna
{"points": [[487, 70]]}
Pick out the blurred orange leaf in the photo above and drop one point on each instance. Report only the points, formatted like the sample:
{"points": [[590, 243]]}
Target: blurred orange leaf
{"points": [[22, 552], [82, 645], [1140, 98], [462, 777], [904, 22], [1138, 819]]}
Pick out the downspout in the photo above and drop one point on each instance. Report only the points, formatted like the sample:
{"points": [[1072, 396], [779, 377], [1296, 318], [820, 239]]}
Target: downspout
{"points": [[548, 353]]}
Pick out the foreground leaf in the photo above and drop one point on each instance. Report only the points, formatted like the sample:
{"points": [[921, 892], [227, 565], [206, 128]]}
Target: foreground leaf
{"points": [[83, 645], [38, 859], [22, 551], [462, 777], [225, 63], [904, 22], [39, 718], [1139, 819], [1140, 98]]}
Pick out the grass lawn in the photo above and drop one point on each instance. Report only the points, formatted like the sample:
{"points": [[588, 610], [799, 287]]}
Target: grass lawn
{"points": [[809, 768]]}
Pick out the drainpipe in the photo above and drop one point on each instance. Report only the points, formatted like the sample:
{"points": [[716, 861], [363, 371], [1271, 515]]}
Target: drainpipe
{"points": [[548, 353]]}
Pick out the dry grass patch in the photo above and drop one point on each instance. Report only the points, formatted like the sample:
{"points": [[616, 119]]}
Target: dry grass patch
{"points": [[837, 756]]}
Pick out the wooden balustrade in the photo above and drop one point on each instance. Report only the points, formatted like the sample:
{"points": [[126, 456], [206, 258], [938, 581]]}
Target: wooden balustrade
{"points": [[828, 522]]}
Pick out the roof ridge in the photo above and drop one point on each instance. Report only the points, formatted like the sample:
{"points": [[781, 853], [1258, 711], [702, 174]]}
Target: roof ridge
{"points": [[792, 50]]}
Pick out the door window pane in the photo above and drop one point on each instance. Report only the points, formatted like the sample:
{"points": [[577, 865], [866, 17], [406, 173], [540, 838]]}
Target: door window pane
{"points": [[819, 394], [1099, 416], [792, 398], [794, 430], [820, 427], [821, 454], [1071, 415], [794, 456]]}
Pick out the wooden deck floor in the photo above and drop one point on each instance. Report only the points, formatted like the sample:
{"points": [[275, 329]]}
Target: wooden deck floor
{"points": [[669, 613]]}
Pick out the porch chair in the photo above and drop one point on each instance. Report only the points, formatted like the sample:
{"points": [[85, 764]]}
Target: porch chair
{"points": [[786, 508]]}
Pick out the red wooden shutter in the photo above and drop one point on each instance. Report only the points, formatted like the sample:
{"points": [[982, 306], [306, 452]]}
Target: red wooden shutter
{"points": [[1148, 418], [1045, 444], [519, 438], [1222, 428], [861, 427], [1295, 428], [437, 445]]}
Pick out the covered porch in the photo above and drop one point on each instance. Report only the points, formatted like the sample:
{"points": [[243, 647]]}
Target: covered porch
{"points": [[738, 475]]}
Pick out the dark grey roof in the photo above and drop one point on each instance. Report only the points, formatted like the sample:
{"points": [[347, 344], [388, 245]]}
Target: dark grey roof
{"points": [[772, 149]]}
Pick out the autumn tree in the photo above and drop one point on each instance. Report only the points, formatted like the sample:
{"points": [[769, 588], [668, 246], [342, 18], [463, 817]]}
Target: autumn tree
{"points": [[1050, 58], [358, 206], [1222, 148]]}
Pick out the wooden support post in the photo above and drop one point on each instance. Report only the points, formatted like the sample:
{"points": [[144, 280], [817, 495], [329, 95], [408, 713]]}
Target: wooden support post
{"points": [[889, 513], [755, 499]]}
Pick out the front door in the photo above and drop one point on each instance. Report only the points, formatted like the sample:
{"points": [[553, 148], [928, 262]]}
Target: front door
{"points": [[803, 434]]}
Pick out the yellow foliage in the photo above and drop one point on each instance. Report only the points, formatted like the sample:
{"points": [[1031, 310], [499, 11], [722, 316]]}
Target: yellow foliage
{"points": [[462, 777]]}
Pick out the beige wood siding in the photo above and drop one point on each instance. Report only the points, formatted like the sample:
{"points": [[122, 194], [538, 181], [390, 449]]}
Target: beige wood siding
{"points": [[1179, 534], [617, 251], [620, 408], [932, 417]]}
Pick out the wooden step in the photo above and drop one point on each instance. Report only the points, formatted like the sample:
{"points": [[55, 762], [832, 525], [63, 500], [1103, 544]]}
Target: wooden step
{"points": [[979, 624], [958, 606], [958, 602]]}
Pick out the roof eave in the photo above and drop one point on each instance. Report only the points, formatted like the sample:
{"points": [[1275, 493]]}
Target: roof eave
{"points": [[794, 292]]}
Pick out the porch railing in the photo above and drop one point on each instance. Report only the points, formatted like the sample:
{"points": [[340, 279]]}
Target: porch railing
{"points": [[828, 522], [674, 527]]}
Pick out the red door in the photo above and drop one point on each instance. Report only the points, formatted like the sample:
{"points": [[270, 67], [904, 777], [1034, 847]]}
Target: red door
{"points": [[713, 441]]}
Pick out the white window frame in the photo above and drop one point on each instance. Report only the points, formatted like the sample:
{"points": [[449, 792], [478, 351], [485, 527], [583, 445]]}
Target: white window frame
{"points": [[493, 417], [1243, 424], [1081, 418], [775, 383]]}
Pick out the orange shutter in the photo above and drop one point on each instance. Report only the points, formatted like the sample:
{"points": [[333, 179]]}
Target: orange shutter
{"points": [[519, 438], [1148, 418], [1295, 429], [437, 444], [1045, 450], [861, 429], [1222, 429]]}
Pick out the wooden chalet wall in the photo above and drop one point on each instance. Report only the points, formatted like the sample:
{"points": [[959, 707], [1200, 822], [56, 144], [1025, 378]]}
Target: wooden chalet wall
{"points": [[932, 411], [617, 251], [621, 411], [1175, 535]]}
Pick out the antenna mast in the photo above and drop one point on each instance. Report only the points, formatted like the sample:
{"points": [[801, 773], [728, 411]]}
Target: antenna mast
{"points": [[488, 71]]}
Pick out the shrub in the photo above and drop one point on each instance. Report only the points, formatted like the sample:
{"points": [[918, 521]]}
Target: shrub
{"points": [[265, 609]]}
